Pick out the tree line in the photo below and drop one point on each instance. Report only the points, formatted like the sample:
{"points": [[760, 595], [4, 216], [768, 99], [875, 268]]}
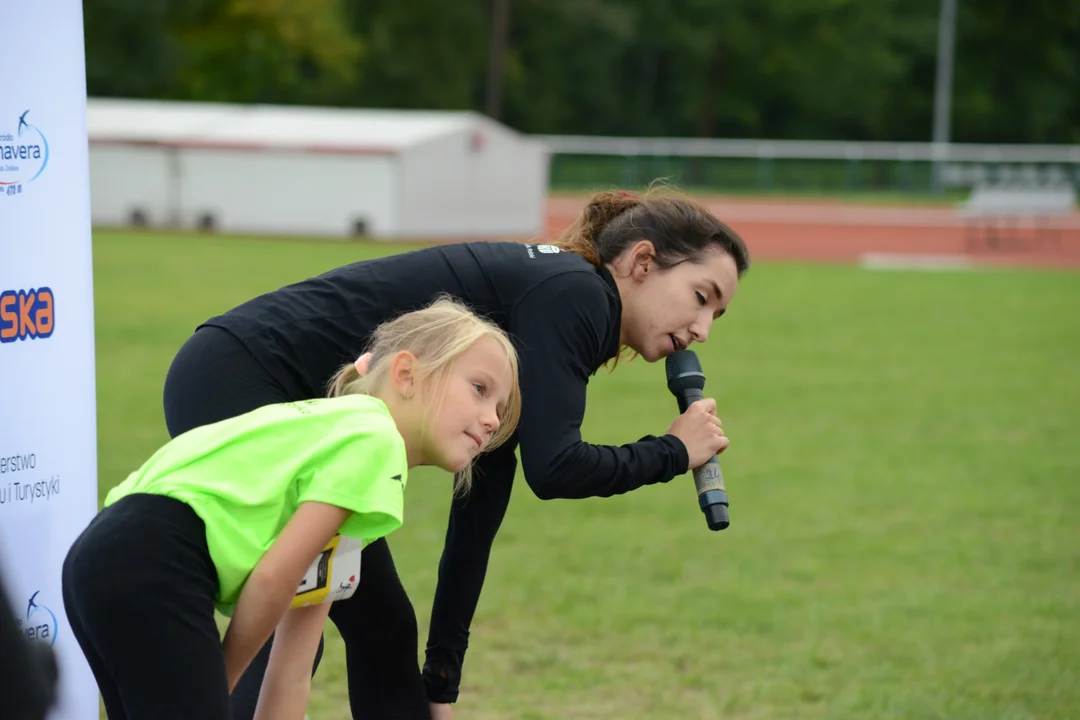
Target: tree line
{"points": [[784, 69]]}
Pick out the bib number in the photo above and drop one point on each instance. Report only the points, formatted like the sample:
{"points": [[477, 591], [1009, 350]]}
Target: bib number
{"points": [[334, 574]]}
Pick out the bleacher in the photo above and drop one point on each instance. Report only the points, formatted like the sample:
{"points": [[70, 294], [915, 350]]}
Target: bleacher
{"points": [[1016, 215]]}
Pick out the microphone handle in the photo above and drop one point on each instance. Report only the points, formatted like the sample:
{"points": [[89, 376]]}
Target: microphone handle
{"points": [[708, 479]]}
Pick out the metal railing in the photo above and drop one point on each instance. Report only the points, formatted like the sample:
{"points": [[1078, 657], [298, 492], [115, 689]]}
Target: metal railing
{"points": [[761, 165]]}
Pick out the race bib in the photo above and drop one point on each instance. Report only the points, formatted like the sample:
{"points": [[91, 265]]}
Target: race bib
{"points": [[334, 574]]}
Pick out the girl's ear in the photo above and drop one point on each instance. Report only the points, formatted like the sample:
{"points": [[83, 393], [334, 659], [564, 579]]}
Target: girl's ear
{"points": [[404, 369]]}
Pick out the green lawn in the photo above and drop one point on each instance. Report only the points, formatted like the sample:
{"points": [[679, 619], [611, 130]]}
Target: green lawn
{"points": [[904, 478]]}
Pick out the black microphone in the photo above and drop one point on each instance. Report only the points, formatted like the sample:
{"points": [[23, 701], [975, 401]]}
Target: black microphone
{"points": [[686, 380]]}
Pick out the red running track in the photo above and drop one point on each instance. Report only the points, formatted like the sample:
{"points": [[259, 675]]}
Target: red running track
{"points": [[838, 232]]}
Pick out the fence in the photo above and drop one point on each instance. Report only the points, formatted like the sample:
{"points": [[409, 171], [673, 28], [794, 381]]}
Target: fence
{"points": [[810, 167]]}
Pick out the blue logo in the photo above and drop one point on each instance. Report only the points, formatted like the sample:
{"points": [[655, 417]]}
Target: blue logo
{"points": [[23, 156], [40, 624]]}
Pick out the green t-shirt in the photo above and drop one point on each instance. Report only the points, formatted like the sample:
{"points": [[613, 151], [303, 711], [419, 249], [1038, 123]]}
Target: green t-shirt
{"points": [[246, 476]]}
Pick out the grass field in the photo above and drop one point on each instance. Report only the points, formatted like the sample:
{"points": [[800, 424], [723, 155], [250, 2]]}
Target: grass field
{"points": [[903, 475]]}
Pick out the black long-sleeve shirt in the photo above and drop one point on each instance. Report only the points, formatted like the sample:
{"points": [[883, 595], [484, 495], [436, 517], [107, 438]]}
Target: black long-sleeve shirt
{"points": [[563, 315]]}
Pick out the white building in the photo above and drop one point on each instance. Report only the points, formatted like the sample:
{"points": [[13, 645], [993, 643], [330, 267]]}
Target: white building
{"points": [[313, 171]]}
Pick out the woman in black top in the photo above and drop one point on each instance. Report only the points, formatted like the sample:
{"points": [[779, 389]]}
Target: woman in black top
{"points": [[649, 274]]}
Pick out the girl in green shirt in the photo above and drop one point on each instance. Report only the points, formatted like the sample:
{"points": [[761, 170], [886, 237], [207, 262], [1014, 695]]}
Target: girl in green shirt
{"points": [[263, 517]]}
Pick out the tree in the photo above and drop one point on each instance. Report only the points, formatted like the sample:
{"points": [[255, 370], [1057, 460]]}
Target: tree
{"points": [[281, 51], [420, 54]]}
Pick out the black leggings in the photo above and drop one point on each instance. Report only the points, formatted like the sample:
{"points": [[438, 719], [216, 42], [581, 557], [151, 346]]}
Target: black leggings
{"points": [[214, 377], [138, 587]]}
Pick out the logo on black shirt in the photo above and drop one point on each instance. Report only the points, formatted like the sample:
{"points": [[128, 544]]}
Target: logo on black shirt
{"points": [[545, 249]]}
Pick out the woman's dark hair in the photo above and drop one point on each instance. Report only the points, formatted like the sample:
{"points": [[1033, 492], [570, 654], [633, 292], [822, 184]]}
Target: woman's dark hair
{"points": [[679, 228]]}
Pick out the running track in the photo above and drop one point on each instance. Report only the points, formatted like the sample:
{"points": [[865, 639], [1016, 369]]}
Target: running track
{"points": [[837, 232]]}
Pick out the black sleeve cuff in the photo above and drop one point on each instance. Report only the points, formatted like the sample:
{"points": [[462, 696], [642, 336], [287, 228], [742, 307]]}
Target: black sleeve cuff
{"points": [[682, 456], [441, 681]]}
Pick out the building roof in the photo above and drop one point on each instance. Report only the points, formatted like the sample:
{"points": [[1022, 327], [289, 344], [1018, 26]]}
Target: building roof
{"points": [[312, 129]]}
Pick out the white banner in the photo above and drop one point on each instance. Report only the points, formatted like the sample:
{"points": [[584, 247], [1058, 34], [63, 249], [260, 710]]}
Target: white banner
{"points": [[48, 434]]}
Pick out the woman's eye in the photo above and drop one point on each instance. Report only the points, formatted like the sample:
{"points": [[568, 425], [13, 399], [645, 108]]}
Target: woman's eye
{"points": [[480, 388], [701, 298]]}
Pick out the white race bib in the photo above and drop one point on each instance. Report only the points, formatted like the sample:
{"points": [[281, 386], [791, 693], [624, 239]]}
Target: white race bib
{"points": [[333, 576]]}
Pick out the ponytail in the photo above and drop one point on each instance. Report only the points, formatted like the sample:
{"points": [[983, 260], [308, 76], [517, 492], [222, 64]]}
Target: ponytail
{"points": [[679, 228], [581, 237], [342, 380]]}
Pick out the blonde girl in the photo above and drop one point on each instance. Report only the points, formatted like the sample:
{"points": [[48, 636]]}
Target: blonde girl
{"points": [[263, 516]]}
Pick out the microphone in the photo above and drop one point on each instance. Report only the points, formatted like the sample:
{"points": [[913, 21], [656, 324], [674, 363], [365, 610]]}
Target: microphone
{"points": [[686, 380]]}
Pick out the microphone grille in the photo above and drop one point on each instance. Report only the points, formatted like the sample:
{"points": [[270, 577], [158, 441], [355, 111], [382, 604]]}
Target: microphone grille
{"points": [[684, 371]]}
